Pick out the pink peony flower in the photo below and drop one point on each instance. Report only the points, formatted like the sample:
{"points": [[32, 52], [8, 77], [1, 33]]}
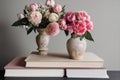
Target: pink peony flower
{"points": [[89, 25], [33, 6], [35, 17], [62, 24], [70, 16], [79, 27], [50, 3], [57, 8], [63, 27], [82, 15], [52, 28], [70, 29]]}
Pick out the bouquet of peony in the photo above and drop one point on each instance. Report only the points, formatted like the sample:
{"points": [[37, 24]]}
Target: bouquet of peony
{"points": [[41, 16], [78, 24]]}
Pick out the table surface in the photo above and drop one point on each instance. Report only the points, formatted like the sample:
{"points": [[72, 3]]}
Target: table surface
{"points": [[114, 75]]}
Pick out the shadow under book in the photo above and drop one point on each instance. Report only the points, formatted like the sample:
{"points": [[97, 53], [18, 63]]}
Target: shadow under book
{"points": [[56, 65]]}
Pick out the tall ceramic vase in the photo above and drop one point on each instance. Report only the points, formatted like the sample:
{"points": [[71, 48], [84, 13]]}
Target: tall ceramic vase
{"points": [[76, 47], [42, 40]]}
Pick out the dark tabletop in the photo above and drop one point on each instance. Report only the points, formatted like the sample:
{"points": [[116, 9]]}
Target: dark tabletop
{"points": [[114, 75]]}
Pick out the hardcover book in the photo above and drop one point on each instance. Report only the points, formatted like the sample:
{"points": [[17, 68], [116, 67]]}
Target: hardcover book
{"points": [[90, 60], [16, 68], [87, 73]]}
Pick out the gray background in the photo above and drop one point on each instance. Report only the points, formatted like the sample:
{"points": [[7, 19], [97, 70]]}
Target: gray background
{"points": [[104, 13]]}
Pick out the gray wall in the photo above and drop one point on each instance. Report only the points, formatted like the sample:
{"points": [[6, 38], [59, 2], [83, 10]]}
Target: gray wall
{"points": [[104, 13]]}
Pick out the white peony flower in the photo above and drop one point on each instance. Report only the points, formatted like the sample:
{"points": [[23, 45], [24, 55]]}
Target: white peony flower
{"points": [[53, 17], [35, 17]]}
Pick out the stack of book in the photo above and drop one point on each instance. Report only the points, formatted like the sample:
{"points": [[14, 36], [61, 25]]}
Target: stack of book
{"points": [[56, 65]]}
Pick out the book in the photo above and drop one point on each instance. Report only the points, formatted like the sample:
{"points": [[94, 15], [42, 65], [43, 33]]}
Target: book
{"points": [[87, 73], [90, 60], [16, 68]]}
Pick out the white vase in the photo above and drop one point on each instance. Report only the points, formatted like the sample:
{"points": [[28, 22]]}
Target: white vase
{"points": [[42, 40], [76, 48]]}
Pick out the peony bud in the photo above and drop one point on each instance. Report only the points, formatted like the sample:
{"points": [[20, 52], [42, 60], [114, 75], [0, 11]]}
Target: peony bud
{"points": [[62, 24], [47, 13], [53, 17], [57, 8], [33, 6], [20, 16], [50, 3]]}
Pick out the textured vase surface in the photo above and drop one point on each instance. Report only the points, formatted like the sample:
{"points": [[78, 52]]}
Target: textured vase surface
{"points": [[76, 48], [42, 40]]}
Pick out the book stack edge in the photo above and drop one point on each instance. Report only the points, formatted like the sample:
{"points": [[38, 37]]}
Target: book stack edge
{"points": [[56, 65]]}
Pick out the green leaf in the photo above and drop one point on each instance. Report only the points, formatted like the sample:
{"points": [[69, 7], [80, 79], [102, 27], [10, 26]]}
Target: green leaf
{"points": [[33, 27], [82, 36], [63, 8], [61, 14], [44, 22], [88, 36], [29, 30], [26, 11], [66, 32], [20, 22]]}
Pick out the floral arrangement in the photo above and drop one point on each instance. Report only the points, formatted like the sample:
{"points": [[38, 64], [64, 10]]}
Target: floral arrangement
{"points": [[36, 16], [78, 24], [51, 17]]}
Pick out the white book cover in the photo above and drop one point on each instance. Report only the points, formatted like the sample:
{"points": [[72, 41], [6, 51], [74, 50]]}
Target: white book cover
{"points": [[86, 73], [34, 73], [16, 68]]}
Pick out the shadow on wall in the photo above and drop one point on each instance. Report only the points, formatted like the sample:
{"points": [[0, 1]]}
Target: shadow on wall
{"points": [[8, 49]]}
